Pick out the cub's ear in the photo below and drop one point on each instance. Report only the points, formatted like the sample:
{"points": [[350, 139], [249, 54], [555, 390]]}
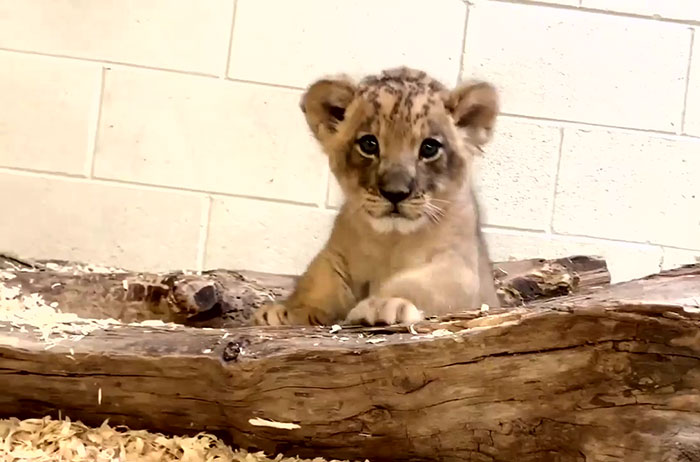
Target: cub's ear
{"points": [[474, 107], [324, 104]]}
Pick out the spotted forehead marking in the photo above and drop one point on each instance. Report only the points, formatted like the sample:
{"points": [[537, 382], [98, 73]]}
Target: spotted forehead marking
{"points": [[401, 95]]}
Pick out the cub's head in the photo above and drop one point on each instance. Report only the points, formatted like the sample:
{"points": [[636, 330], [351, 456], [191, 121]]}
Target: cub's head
{"points": [[400, 144]]}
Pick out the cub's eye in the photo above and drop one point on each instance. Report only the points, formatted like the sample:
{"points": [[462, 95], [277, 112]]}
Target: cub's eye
{"points": [[368, 145], [430, 149]]}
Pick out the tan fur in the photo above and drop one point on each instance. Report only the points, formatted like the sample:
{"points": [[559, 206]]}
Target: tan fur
{"points": [[395, 262]]}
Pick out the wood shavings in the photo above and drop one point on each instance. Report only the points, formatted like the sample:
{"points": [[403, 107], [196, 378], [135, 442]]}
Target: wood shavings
{"points": [[6, 276], [150, 323], [441, 333], [49, 440], [77, 269], [335, 328], [50, 323], [53, 326], [9, 293], [258, 422], [485, 308], [376, 340]]}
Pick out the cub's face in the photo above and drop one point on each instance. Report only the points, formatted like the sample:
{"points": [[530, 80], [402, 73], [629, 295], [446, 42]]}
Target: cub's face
{"points": [[400, 144]]}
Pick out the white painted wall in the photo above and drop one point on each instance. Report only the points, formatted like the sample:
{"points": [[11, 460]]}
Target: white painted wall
{"points": [[155, 134]]}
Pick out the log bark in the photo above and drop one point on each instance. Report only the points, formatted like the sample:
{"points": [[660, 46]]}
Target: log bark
{"points": [[607, 374], [222, 298]]}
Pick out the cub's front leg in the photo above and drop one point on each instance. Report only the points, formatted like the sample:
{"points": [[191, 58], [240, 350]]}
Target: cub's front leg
{"points": [[440, 287], [322, 296]]}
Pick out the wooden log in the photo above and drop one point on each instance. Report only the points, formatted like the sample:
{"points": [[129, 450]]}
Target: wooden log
{"points": [[222, 298], [611, 374]]}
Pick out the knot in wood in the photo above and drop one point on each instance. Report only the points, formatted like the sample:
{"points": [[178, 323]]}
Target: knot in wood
{"points": [[232, 351]]}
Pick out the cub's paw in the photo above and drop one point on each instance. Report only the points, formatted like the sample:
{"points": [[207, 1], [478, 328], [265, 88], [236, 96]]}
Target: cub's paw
{"points": [[375, 311], [272, 315], [277, 314]]}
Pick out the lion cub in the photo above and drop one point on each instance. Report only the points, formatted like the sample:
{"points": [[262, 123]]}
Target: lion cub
{"points": [[407, 242]]}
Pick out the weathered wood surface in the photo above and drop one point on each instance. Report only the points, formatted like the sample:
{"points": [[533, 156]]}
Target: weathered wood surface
{"points": [[608, 375], [222, 298]]}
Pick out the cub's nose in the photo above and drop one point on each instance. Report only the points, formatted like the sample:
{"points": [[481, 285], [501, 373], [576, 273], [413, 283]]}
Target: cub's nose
{"points": [[395, 196], [396, 185]]}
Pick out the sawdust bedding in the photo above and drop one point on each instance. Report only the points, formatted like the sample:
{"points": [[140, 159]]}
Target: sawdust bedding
{"points": [[47, 439]]}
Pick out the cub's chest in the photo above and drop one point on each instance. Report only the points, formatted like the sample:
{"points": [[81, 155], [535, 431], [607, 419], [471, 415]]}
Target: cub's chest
{"points": [[373, 266]]}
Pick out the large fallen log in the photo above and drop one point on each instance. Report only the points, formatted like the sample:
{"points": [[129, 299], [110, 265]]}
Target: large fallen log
{"points": [[222, 298], [607, 374]]}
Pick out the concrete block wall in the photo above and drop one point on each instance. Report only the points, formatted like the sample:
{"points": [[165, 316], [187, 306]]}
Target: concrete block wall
{"points": [[162, 135]]}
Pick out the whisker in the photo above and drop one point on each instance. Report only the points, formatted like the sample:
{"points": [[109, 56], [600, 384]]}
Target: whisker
{"points": [[433, 212], [435, 219], [435, 209]]}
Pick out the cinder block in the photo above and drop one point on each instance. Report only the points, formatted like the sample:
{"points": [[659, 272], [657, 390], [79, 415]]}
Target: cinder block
{"points": [[561, 2], [265, 236], [335, 194], [572, 65], [188, 35], [625, 261], [673, 258], [307, 39], [515, 177], [629, 186], [48, 107], [141, 229], [670, 9], [207, 134], [692, 110]]}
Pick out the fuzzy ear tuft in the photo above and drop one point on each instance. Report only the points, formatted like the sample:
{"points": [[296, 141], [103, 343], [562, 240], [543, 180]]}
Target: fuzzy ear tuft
{"points": [[474, 107], [324, 104]]}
